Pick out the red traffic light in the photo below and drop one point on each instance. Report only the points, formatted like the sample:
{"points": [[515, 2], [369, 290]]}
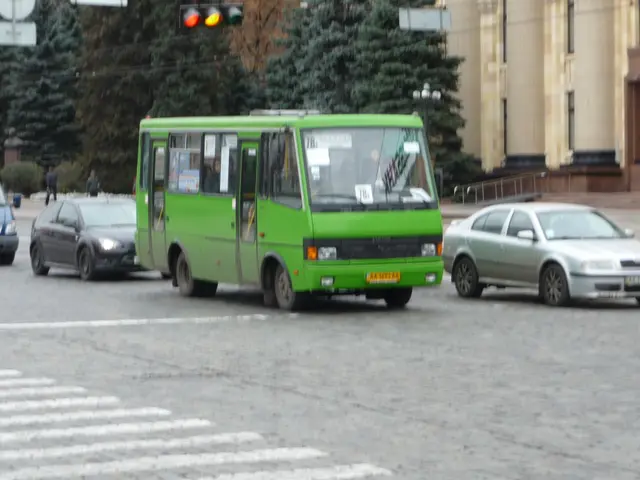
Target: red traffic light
{"points": [[191, 18]]}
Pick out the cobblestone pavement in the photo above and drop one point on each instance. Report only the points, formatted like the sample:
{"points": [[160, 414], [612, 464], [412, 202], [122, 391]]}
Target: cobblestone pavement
{"points": [[126, 380]]}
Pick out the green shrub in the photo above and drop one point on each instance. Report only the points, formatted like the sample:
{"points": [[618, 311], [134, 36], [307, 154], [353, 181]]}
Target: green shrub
{"points": [[22, 177], [70, 177]]}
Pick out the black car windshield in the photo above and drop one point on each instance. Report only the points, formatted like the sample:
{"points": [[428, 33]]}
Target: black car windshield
{"points": [[377, 167], [3, 198], [109, 214], [577, 225]]}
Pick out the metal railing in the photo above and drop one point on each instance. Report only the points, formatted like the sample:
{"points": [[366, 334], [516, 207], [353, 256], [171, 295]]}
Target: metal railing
{"points": [[501, 188]]}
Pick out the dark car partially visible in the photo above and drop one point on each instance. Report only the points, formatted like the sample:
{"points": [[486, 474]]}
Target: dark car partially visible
{"points": [[89, 235], [9, 240]]}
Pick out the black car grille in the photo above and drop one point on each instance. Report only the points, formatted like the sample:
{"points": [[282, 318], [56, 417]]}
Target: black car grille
{"points": [[130, 247], [630, 263], [376, 247]]}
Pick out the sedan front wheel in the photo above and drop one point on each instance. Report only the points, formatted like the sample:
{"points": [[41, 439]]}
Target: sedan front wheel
{"points": [[465, 277], [554, 286]]}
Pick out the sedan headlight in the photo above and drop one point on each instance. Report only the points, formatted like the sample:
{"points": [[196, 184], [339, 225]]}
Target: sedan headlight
{"points": [[327, 253], [10, 228], [598, 265], [428, 249], [108, 244]]}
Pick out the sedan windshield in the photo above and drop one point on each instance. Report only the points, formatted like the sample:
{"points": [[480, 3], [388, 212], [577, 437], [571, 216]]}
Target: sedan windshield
{"points": [[368, 167], [3, 199], [109, 214], [577, 224]]}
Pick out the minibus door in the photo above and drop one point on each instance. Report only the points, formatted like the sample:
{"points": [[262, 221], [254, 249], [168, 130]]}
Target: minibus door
{"points": [[157, 215], [246, 244]]}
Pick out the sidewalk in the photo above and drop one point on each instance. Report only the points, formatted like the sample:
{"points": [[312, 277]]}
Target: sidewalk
{"points": [[29, 209]]}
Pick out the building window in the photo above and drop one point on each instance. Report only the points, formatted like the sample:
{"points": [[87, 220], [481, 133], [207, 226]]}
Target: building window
{"points": [[504, 31], [571, 16], [571, 120], [504, 126]]}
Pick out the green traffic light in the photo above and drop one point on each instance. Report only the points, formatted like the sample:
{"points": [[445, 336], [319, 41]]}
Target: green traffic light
{"points": [[234, 16]]}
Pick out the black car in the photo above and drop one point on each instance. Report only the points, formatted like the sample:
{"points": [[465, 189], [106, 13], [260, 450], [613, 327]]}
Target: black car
{"points": [[89, 235]]}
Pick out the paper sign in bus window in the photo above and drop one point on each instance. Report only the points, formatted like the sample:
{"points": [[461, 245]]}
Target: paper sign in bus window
{"points": [[210, 146], [318, 157], [328, 140], [364, 193], [411, 147], [224, 170]]}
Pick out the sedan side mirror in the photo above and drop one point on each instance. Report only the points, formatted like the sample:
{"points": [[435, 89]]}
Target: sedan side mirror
{"points": [[629, 233], [527, 235]]}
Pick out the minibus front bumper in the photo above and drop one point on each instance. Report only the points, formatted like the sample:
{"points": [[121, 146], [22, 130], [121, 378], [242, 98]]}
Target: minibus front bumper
{"points": [[333, 276]]}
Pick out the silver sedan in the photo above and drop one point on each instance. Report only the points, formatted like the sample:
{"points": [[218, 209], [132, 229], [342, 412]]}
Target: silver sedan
{"points": [[565, 251]]}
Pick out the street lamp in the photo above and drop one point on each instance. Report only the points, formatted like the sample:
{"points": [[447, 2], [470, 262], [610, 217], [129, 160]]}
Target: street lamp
{"points": [[425, 96]]}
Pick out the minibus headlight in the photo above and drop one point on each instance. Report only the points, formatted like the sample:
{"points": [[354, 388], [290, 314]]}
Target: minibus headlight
{"points": [[428, 250], [327, 253]]}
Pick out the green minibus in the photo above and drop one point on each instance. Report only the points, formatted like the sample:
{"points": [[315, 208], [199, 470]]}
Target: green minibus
{"points": [[298, 203]]}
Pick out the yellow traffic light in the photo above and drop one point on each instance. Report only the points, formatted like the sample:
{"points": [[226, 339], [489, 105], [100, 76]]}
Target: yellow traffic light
{"points": [[213, 17]]}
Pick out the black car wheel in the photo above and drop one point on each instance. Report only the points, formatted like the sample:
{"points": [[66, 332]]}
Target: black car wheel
{"points": [[638, 300], [554, 287], [397, 298], [187, 285], [37, 261], [86, 265], [465, 277], [7, 258]]}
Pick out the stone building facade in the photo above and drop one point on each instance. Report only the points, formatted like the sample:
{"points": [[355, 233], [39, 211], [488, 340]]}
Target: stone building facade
{"points": [[551, 84]]}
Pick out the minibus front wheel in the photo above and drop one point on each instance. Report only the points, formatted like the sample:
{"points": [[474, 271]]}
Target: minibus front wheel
{"points": [[286, 297]]}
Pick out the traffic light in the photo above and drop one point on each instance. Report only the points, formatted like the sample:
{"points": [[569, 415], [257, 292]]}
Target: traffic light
{"points": [[211, 16]]}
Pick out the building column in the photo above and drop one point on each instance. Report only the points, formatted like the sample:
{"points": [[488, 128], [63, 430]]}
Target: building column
{"points": [[525, 84], [625, 33], [555, 104], [490, 141], [593, 83]]}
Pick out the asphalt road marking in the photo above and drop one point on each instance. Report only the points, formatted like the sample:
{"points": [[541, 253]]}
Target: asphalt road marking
{"points": [[338, 472], [26, 382], [175, 452], [40, 392], [152, 464], [103, 430], [157, 443], [82, 415], [130, 322], [59, 403]]}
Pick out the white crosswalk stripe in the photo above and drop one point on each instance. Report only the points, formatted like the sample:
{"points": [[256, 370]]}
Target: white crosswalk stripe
{"points": [[85, 425]]}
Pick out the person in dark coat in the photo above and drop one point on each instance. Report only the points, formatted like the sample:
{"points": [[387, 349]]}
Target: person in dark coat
{"points": [[51, 181], [93, 185]]}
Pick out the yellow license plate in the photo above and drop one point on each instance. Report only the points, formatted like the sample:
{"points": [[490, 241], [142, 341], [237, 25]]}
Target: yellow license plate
{"points": [[383, 277]]}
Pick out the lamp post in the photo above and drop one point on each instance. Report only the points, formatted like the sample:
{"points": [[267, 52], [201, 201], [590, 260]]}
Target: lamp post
{"points": [[425, 96]]}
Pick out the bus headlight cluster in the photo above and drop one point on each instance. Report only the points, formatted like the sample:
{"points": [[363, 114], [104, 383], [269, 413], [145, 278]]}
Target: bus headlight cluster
{"points": [[428, 250], [327, 253]]}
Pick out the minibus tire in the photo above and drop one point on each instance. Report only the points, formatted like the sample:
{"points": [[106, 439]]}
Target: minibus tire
{"points": [[397, 298], [287, 300], [187, 285]]}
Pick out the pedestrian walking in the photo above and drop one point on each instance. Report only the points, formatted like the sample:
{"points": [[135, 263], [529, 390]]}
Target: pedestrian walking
{"points": [[93, 184], [51, 182]]}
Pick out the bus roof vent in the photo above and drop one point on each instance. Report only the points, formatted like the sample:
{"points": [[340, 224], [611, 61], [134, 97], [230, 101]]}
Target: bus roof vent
{"points": [[299, 113]]}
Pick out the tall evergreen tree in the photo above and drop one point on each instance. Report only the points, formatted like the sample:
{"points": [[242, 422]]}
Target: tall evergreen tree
{"points": [[115, 89], [282, 75], [42, 110], [392, 63], [328, 65]]}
